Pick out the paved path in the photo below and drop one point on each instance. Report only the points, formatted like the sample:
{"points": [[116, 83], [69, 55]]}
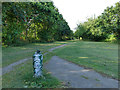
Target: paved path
{"points": [[77, 76], [11, 66]]}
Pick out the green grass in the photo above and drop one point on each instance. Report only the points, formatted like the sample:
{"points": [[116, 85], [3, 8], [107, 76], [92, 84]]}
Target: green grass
{"points": [[22, 77], [84, 77], [13, 54], [97, 79], [100, 56]]}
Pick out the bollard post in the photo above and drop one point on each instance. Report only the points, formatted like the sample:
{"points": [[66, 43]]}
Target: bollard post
{"points": [[37, 64]]}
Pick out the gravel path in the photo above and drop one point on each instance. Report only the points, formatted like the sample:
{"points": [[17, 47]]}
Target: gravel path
{"points": [[76, 76], [11, 66]]}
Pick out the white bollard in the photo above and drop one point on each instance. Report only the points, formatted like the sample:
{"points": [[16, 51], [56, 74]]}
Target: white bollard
{"points": [[37, 64]]}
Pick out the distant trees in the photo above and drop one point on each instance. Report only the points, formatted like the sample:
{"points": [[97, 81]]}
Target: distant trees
{"points": [[104, 27], [31, 22], [80, 30]]}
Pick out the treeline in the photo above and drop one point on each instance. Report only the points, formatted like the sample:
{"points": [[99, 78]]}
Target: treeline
{"points": [[105, 27], [32, 22]]}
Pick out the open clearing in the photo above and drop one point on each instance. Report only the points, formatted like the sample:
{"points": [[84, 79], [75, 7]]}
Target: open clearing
{"points": [[99, 56], [11, 66]]}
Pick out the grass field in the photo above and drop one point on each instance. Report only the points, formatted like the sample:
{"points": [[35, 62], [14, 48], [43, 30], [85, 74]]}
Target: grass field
{"points": [[22, 75], [100, 56], [13, 54]]}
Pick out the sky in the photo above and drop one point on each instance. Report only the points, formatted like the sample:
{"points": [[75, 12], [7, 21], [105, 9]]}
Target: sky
{"points": [[77, 11]]}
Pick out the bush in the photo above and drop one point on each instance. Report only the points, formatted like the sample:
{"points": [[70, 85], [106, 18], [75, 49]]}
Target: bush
{"points": [[111, 38]]}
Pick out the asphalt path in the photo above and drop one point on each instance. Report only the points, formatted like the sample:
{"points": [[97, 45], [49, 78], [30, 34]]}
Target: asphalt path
{"points": [[78, 77]]}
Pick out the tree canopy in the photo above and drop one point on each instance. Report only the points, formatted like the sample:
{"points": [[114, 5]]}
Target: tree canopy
{"points": [[31, 22], [104, 27]]}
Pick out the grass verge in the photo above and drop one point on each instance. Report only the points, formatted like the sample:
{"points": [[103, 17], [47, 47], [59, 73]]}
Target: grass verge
{"points": [[13, 54], [100, 56], [22, 77]]}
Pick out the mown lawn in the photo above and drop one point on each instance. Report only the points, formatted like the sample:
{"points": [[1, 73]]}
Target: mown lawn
{"points": [[13, 54], [100, 56], [22, 75]]}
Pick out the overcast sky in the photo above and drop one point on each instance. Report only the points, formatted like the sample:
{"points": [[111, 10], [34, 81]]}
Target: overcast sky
{"points": [[76, 11]]}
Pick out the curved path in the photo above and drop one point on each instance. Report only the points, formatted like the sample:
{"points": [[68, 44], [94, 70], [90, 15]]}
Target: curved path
{"points": [[11, 66], [76, 76]]}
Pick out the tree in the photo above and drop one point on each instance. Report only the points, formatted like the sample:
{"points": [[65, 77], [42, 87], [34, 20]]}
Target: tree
{"points": [[80, 31], [32, 21], [102, 27]]}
